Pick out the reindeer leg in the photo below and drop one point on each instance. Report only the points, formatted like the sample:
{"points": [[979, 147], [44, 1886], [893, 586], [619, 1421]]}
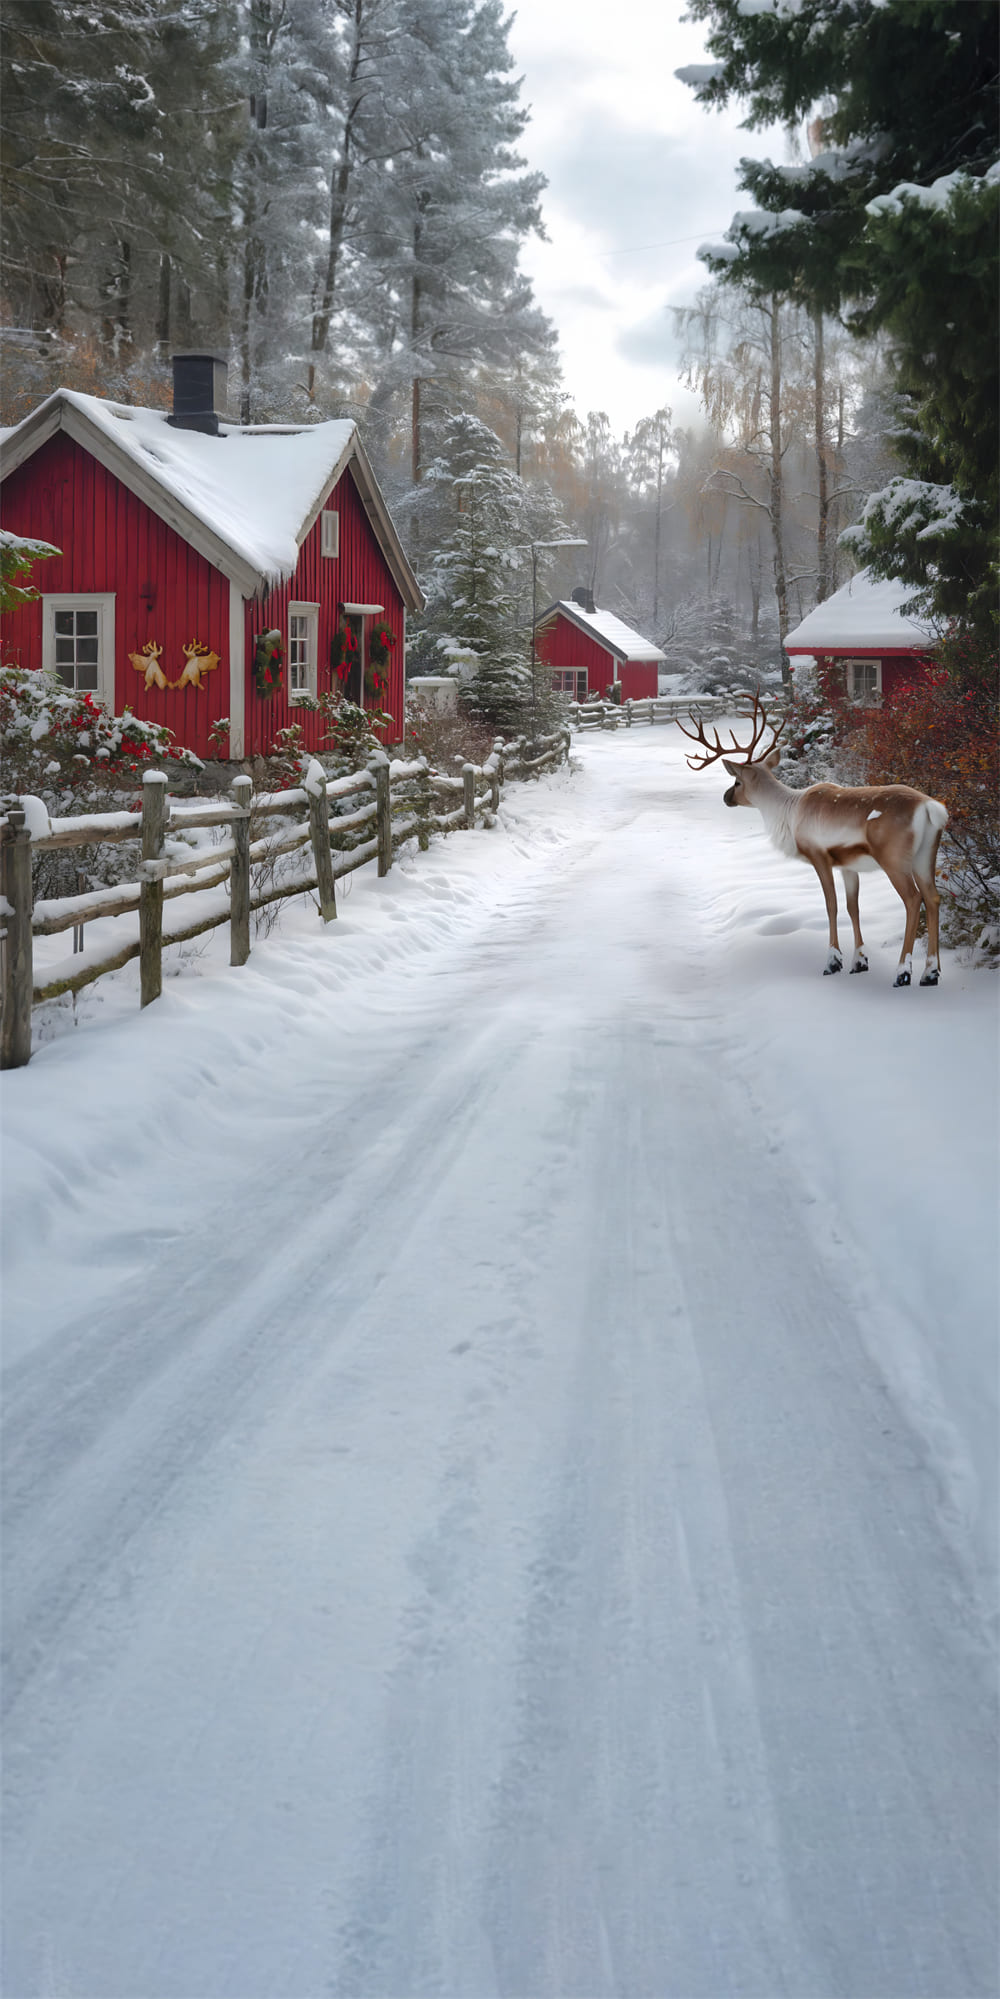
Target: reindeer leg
{"points": [[932, 903], [909, 894], [851, 885], [835, 962]]}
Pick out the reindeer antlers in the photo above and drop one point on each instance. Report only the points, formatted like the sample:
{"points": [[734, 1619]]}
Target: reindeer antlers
{"points": [[760, 719]]}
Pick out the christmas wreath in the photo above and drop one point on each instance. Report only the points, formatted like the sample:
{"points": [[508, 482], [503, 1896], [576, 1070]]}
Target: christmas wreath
{"points": [[380, 643], [268, 653], [343, 650]]}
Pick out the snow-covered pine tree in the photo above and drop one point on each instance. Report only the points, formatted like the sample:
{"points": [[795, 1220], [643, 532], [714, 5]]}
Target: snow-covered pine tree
{"points": [[481, 521], [445, 222], [647, 457], [893, 223], [118, 145], [293, 89]]}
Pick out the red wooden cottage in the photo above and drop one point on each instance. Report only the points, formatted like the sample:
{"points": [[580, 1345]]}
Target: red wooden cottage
{"points": [[590, 651], [187, 542], [863, 630]]}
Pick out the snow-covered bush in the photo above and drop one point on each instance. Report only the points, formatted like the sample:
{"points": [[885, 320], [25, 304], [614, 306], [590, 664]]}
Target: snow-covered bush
{"points": [[940, 734], [708, 643], [65, 749], [18, 556], [447, 741], [814, 743]]}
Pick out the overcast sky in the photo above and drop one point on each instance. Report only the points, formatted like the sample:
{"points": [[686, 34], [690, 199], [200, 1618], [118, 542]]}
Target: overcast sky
{"points": [[638, 176]]}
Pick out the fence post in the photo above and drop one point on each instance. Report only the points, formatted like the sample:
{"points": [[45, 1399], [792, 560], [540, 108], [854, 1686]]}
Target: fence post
{"points": [[424, 807], [319, 833], [628, 714], [469, 795], [239, 875], [15, 886], [498, 753], [154, 820], [379, 767]]}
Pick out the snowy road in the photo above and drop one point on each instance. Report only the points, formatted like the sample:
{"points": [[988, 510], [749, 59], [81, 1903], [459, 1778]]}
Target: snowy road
{"points": [[485, 1510]]}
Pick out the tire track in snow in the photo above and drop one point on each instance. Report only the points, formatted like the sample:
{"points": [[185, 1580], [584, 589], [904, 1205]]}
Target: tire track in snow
{"points": [[649, 1640]]}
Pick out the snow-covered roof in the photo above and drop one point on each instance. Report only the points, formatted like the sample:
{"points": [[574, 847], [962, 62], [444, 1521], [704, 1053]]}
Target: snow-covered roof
{"points": [[863, 616], [246, 498], [609, 631]]}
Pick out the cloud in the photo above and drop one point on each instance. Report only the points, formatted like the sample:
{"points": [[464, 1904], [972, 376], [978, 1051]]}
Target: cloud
{"points": [[651, 342], [582, 298]]}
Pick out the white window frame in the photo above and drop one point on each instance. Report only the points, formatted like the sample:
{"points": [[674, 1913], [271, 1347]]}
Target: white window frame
{"points": [[310, 612], [329, 532], [101, 601], [578, 691], [866, 697]]}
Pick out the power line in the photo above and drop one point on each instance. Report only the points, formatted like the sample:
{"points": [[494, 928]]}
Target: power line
{"points": [[634, 249]]}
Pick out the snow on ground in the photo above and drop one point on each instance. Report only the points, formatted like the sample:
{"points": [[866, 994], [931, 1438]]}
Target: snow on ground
{"points": [[501, 1419]]}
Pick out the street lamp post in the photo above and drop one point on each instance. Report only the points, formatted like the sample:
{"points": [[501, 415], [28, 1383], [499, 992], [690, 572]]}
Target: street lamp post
{"points": [[567, 541]]}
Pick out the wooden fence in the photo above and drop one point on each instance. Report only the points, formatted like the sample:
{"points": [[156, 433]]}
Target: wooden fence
{"points": [[657, 708], [397, 801]]}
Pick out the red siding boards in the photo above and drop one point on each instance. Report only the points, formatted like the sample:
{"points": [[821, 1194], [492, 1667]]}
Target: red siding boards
{"points": [[562, 644], [112, 542], [359, 574], [899, 669]]}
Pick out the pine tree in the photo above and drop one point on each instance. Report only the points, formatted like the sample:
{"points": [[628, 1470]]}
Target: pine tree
{"points": [[446, 224], [118, 144], [891, 224], [482, 520], [647, 455]]}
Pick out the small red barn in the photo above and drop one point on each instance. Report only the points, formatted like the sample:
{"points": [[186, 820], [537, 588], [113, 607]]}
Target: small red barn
{"points": [[185, 540], [863, 630], [590, 650]]}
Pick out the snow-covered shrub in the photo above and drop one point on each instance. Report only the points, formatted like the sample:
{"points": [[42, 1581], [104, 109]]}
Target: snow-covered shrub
{"points": [[816, 743], [709, 644], [940, 734], [65, 749], [447, 741], [18, 556]]}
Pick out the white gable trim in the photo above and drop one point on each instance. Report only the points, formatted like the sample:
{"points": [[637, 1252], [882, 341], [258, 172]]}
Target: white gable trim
{"points": [[237, 672], [366, 486], [56, 413]]}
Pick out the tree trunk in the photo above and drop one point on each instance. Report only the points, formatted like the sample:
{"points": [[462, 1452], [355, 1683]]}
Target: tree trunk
{"points": [[163, 308], [776, 486], [822, 463], [340, 182], [416, 302], [116, 326], [656, 536]]}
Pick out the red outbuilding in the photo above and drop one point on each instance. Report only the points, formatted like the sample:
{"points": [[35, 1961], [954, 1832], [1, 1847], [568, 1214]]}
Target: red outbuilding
{"points": [[591, 650], [863, 630], [207, 570]]}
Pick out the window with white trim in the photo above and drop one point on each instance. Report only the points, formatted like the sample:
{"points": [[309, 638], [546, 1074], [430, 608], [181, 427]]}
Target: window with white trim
{"points": [[303, 650], [78, 641], [864, 682], [329, 532], [571, 680]]}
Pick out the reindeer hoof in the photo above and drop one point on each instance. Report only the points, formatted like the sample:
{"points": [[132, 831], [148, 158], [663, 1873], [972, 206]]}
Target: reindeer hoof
{"points": [[930, 979], [902, 977], [834, 963], [859, 965]]}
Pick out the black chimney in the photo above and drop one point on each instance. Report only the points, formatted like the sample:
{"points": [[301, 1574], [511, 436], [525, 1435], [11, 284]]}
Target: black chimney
{"points": [[199, 390], [585, 599]]}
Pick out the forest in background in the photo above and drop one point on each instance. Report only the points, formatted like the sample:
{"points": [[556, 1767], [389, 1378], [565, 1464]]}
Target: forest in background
{"points": [[333, 192]]}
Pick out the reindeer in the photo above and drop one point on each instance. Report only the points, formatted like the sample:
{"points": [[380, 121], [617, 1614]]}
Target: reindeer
{"points": [[850, 827]]}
